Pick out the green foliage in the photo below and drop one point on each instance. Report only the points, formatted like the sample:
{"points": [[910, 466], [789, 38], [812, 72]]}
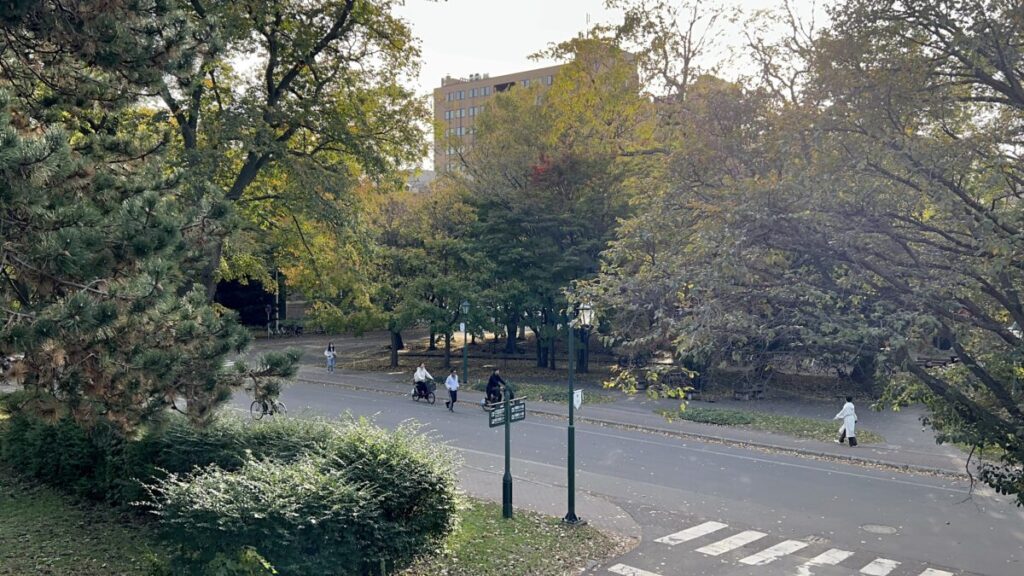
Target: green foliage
{"points": [[331, 499], [305, 516], [849, 208], [313, 485]]}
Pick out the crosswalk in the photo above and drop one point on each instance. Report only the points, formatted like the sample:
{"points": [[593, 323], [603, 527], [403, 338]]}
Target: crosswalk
{"points": [[743, 542]]}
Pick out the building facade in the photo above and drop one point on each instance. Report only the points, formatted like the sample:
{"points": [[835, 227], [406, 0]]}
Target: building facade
{"points": [[458, 102]]}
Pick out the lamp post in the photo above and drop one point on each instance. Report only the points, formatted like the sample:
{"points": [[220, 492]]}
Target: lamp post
{"points": [[584, 318], [465, 341]]}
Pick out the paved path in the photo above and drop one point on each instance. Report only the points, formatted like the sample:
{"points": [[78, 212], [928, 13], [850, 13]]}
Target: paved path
{"points": [[812, 511], [654, 485]]}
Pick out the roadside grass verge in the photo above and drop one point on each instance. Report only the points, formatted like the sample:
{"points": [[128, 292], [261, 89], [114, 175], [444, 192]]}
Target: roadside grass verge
{"points": [[43, 533], [795, 426], [485, 544], [552, 392]]}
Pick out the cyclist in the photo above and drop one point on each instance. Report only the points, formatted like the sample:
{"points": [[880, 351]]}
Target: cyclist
{"points": [[494, 386], [421, 377]]}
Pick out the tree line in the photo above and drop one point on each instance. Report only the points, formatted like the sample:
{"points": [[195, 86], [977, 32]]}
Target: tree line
{"points": [[852, 199]]}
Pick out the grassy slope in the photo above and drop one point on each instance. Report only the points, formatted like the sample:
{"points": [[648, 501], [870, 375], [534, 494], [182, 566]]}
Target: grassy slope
{"points": [[42, 533], [485, 544]]}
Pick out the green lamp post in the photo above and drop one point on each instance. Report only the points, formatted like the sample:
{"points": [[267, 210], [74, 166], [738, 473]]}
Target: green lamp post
{"points": [[465, 343], [584, 319]]}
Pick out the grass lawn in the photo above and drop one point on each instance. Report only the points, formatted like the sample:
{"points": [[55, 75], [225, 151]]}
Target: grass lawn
{"points": [[553, 392], [41, 532], [485, 544], [808, 428]]}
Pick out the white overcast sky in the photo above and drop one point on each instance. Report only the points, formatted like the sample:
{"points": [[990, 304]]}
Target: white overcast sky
{"points": [[460, 37]]}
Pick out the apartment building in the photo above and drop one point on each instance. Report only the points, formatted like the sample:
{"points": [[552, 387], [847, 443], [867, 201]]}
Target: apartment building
{"points": [[459, 100]]}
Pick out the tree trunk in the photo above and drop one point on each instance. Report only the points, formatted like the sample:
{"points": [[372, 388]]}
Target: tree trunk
{"points": [[542, 352], [863, 374], [522, 332], [396, 343], [552, 350], [510, 340], [448, 350], [433, 340]]}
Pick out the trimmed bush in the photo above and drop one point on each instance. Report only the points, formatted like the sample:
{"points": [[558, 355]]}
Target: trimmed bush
{"points": [[350, 497], [404, 484], [304, 517]]}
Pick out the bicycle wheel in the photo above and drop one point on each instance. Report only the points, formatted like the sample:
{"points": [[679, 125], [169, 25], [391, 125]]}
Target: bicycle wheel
{"points": [[257, 409], [280, 408], [431, 398]]}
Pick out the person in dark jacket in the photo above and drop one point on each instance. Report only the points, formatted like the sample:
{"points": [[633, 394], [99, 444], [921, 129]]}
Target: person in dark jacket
{"points": [[494, 385]]}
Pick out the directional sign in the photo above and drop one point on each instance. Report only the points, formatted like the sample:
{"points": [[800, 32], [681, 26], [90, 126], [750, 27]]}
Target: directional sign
{"points": [[518, 410], [577, 398], [517, 413], [497, 418]]}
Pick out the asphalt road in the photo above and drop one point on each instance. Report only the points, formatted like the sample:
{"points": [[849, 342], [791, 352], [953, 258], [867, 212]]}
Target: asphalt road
{"points": [[867, 521]]}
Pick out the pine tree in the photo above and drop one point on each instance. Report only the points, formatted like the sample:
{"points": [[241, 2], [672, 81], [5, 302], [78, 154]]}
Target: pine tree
{"points": [[91, 291]]}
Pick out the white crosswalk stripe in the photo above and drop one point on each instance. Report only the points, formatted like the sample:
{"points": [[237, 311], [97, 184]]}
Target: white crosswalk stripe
{"points": [[731, 543], [879, 567], [773, 553], [934, 572], [691, 533], [630, 571], [830, 557]]}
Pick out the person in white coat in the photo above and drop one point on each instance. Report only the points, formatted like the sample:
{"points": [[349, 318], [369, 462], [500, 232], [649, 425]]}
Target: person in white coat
{"points": [[452, 384], [421, 377], [849, 417]]}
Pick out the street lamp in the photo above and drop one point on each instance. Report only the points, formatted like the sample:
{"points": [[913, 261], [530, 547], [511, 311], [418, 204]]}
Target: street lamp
{"points": [[465, 341], [584, 318]]}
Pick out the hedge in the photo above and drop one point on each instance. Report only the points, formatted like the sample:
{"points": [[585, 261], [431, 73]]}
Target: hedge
{"points": [[396, 488]]}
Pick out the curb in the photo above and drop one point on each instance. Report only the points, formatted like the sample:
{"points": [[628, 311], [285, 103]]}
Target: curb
{"points": [[805, 452]]}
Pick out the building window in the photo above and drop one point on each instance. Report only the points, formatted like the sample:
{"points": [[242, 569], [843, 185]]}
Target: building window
{"points": [[462, 94], [525, 83], [549, 80]]}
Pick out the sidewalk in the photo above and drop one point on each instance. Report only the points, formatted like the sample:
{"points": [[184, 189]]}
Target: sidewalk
{"points": [[909, 445]]}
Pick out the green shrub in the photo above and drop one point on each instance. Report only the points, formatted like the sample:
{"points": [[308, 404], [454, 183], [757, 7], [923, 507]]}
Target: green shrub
{"points": [[354, 495], [304, 517], [95, 465], [400, 475]]}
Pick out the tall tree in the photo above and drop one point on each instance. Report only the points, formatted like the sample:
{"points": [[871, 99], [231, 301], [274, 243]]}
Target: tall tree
{"points": [[883, 216], [547, 173]]}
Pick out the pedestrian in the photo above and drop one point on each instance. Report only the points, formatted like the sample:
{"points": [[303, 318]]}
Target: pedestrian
{"points": [[331, 356], [452, 384], [420, 378], [849, 417]]}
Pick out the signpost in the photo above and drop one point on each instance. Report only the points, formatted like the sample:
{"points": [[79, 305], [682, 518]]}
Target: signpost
{"points": [[512, 411]]}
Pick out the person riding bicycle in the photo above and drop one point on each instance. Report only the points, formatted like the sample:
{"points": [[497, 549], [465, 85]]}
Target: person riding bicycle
{"points": [[421, 377], [494, 386]]}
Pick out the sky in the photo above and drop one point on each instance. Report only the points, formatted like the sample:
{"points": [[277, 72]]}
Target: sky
{"points": [[461, 37]]}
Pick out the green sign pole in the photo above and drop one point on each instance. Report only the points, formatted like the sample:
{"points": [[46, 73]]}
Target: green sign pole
{"points": [[570, 516], [506, 481]]}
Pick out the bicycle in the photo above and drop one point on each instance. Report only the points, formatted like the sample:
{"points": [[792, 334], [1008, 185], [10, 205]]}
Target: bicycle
{"points": [[426, 392], [267, 406]]}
